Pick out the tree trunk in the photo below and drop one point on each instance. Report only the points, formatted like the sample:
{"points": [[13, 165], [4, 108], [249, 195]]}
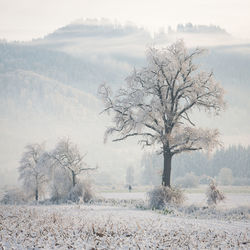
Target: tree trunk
{"points": [[36, 193], [73, 178], [167, 158]]}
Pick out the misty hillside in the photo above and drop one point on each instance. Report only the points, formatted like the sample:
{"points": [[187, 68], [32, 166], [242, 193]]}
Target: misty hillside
{"points": [[80, 73], [28, 94], [83, 55]]}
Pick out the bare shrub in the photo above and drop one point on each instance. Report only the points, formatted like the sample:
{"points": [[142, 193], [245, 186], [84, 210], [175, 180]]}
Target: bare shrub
{"points": [[214, 195], [14, 196], [60, 186], [82, 191], [188, 181], [88, 191], [160, 196], [76, 192]]}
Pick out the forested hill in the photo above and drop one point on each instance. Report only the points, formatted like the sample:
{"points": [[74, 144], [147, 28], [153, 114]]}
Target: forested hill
{"points": [[83, 55], [92, 28], [76, 72], [27, 94]]}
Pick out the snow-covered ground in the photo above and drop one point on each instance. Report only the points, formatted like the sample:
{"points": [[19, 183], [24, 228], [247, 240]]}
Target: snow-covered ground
{"points": [[231, 201], [103, 227]]}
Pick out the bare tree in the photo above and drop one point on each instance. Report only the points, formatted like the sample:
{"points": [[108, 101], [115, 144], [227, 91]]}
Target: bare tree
{"points": [[31, 169], [67, 156], [157, 101]]}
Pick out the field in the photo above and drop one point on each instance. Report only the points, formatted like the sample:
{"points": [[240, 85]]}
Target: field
{"points": [[100, 227], [125, 227]]}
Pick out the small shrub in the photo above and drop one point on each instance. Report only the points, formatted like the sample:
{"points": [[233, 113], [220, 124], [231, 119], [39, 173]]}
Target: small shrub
{"points": [[76, 192], [213, 194], [82, 191], [188, 181], [60, 187], [88, 192], [160, 196], [14, 197]]}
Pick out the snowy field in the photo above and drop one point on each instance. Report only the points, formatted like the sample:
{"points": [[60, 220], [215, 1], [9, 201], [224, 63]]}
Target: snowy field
{"points": [[116, 227], [100, 227], [232, 200]]}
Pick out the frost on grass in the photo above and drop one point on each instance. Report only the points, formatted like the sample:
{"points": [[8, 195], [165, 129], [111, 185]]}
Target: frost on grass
{"points": [[226, 211], [98, 227], [205, 212]]}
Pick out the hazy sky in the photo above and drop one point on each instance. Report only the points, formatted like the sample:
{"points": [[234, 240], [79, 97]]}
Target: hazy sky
{"points": [[27, 19]]}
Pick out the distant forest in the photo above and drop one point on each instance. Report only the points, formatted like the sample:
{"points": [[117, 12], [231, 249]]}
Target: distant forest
{"points": [[235, 158]]}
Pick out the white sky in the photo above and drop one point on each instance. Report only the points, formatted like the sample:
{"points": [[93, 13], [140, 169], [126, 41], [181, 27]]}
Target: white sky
{"points": [[27, 19]]}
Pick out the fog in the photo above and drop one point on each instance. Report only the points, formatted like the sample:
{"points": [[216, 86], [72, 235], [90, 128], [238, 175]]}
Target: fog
{"points": [[48, 89], [28, 19]]}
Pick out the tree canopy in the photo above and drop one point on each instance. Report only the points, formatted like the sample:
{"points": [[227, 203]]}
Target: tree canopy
{"points": [[156, 102]]}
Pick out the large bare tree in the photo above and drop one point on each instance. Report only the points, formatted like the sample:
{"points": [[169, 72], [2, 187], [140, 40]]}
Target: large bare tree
{"points": [[157, 101]]}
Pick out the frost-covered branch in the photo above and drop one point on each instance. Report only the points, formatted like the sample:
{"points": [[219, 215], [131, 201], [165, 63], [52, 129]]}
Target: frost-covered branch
{"points": [[66, 155], [159, 97], [32, 172], [157, 101]]}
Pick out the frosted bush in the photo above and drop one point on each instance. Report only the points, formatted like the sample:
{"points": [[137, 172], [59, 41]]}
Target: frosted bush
{"points": [[60, 186], [214, 195], [82, 191], [160, 196], [76, 192], [88, 192], [64, 194], [14, 196]]}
